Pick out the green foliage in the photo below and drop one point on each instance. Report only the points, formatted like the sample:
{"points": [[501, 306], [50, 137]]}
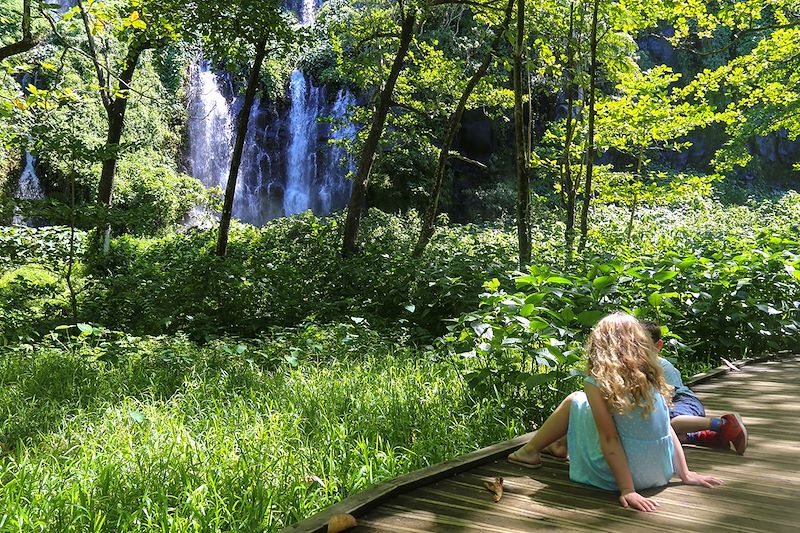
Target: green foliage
{"points": [[756, 88], [150, 199], [177, 437], [723, 288], [31, 301], [291, 269], [646, 116], [48, 246]]}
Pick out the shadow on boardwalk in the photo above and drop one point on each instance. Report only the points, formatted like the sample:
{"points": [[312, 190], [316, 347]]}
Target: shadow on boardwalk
{"points": [[760, 493]]}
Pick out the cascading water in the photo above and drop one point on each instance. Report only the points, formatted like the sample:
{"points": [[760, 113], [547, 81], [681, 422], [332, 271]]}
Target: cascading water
{"points": [[288, 164], [29, 187], [210, 129], [302, 159], [335, 189]]}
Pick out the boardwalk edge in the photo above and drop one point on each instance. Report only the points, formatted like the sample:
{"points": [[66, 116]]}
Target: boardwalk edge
{"points": [[362, 502]]}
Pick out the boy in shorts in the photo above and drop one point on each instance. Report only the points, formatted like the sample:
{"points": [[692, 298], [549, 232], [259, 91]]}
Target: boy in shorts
{"points": [[687, 414]]}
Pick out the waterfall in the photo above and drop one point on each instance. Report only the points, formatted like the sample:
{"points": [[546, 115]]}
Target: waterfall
{"points": [[307, 11], [210, 129], [288, 164], [335, 189], [28, 187], [301, 150]]}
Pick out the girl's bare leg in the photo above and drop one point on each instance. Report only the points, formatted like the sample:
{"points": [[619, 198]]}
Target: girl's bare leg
{"points": [[558, 449], [553, 429]]}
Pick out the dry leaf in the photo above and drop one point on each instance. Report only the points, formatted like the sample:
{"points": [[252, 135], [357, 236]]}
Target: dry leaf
{"points": [[341, 522], [496, 488], [313, 481], [730, 365]]}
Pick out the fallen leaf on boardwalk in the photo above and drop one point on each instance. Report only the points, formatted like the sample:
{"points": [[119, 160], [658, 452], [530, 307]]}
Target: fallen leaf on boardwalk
{"points": [[496, 488], [341, 522], [730, 365]]}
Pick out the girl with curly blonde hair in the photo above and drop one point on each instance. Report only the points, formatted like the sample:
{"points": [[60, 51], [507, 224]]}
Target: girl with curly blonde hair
{"points": [[618, 431]]}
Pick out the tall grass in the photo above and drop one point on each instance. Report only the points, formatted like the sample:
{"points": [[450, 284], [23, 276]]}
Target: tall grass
{"points": [[175, 437]]}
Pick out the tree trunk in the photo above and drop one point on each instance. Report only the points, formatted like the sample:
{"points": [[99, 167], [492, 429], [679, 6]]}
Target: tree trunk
{"points": [[568, 183], [523, 186], [635, 201], [116, 122], [454, 124], [355, 206], [238, 148], [27, 42], [590, 148]]}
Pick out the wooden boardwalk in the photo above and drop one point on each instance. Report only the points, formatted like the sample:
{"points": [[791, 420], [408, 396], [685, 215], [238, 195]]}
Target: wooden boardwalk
{"points": [[761, 491]]}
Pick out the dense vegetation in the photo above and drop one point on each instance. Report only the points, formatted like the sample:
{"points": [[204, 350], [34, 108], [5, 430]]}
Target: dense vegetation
{"points": [[313, 401], [159, 374]]}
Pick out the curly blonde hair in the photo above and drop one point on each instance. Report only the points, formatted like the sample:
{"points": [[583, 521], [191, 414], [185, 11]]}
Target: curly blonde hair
{"points": [[624, 362]]}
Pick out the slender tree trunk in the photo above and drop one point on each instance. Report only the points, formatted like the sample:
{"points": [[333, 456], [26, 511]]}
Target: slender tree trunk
{"points": [[635, 201], [454, 124], [523, 185], [116, 122], [27, 42], [568, 183], [238, 148], [590, 147], [359, 190], [73, 295]]}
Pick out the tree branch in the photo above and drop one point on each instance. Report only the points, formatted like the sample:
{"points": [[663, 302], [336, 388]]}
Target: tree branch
{"points": [[105, 89], [738, 36], [27, 42], [415, 110], [144, 46], [472, 3], [465, 159]]}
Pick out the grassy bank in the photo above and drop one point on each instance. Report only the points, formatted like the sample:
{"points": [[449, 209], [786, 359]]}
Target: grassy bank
{"points": [[176, 437]]}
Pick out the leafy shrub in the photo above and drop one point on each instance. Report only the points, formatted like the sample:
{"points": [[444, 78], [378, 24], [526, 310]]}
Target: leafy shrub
{"points": [[30, 300], [47, 245], [728, 299], [149, 199], [291, 269]]}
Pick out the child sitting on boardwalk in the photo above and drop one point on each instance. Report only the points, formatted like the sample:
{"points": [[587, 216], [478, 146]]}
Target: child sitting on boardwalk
{"points": [[687, 414], [618, 429]]}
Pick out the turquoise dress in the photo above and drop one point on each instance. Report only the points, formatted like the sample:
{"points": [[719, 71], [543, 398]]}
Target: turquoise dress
{"points": [[646, 440]]}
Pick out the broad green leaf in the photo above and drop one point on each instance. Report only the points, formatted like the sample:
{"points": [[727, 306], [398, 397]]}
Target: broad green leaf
{"points": [[589, 318], [603, 281], [664, 275], [655, 299]]}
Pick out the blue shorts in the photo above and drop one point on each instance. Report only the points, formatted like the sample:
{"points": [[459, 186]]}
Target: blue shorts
{"points": [[685, 404]]}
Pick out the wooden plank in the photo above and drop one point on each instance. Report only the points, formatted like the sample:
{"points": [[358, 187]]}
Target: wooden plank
{"points": [[374, 496], [766, 405]]}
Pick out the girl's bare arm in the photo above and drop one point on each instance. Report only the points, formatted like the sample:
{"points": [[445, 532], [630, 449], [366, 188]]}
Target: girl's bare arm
{"points": [[682, 469], [614, 453]]}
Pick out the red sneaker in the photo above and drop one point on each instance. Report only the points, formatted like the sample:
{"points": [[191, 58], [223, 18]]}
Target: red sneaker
{"points": [[733, 431], [708, 438]]}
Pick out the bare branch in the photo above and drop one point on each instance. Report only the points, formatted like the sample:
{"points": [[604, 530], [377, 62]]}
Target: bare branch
{"points": [[101, 79], [465, 159], [27, 42]]}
